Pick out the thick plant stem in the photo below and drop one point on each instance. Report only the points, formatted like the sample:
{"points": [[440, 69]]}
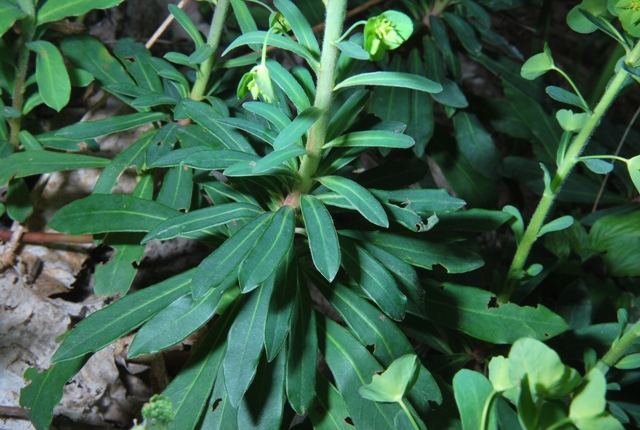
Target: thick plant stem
{"points": [[571, 158], [324, 93], [204, 72], [618, 349], [18, 89]]}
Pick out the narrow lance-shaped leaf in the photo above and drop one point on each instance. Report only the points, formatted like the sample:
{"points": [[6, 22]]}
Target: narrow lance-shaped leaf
{"points": [[285, 281], [202, 219], [359, 197], [267, 253], [107, 325], [278, 157], [323, 240], [298, 127], [392, 79], [103, 127], [245, 340], [373, 138], [103, 213], [227, 258], [54, 10], [299, 25], [53, 80], [10, 12], [291, 88], [187, 24]]}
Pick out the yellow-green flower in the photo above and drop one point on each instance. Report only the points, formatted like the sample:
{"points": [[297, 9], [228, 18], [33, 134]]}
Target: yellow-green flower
{"points": [[257, 82], [386, 32], [629, 14]]}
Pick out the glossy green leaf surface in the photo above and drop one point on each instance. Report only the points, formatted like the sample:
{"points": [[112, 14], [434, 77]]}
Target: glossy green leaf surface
{"points": [[53, 80], [190, 390], [22, 164], [278, 157], [54, 10], [299, 25], [298, 127], [381, 139], [504, 323], [202, 219], [245, 340], [103, 213], [392, 79], [323, 240], [359, 197], [292, 88], [374, 279], [225, 260], [10, 12], [272, 114], [92, 334], [267, 253]]}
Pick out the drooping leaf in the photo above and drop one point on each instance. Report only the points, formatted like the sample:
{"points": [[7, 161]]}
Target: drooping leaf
{"points": [[359, 197], [285, 281], [23, 164], [391, 79], [245, 340], [53, 80], [103, 213], [267, 253], [105, 326], [323, 240]]}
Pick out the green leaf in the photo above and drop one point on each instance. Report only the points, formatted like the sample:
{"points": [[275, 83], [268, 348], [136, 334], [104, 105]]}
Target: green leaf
{"points": [[538, 65], [22, 164], [298, 127], [133, 155], [352, 50], [225, 260], [10, 12], [201, 54], [262, 406], [303, 352], [137, 60], [600, 167], [245, 19], [204, 158], [323, 240], [572, 122], [346, 114], [53, 80], [393, 384], [205, 115], [245, 340], [374, 279], [278, 157], [219, 414], [87, 53], [472, 391], [174, 323], [589, 399], [18, 200], [391, 79], [291, 88], [372, 139], [177, 188], [267, 253], [421, 123], [359, 197], [285, 281], [257, 130], [476, 145], [556, 225], [55, 10], [628, 362], [420, 252], [633, 166], [466, 309], [579, 23], [45, 390], [186, 23], [282, 42], [103, 213], [464, 31], [353, 366], [272, 114], [116, 320], [202, 219], [103, 127], [328, 410], [299, 25], [616, 237], [426, 201], [564, 96], [116, 276], [190, 390]]}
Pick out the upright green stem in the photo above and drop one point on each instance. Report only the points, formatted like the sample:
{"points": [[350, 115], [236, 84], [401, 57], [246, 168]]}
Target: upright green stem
{"points": [[619, 348], [336, 11], [571, 158], [18, 88], [204, 72]]}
